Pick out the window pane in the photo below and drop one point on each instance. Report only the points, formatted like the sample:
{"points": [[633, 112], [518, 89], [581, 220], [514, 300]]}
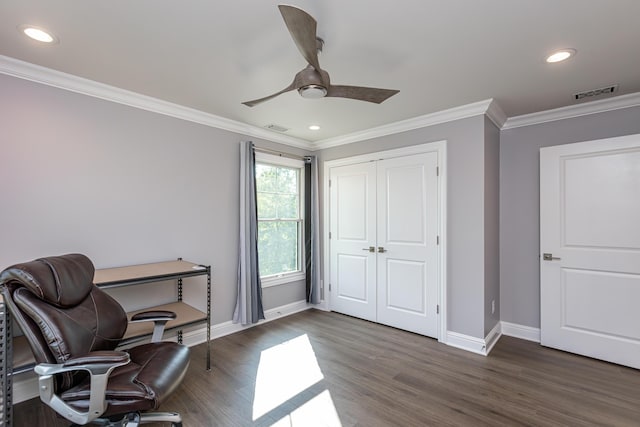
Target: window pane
{"points": [[287, 206], [266, 178], [278, 247], [267, 206], [288, 180], [277, 191]]}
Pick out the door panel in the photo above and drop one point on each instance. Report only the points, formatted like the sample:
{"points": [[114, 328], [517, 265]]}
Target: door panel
{"points": [[352, 193], [407, 231], [589, 209], [408, 292], [596, 188], [352, 277], [586, 292], [353, 228], [402, 189]]}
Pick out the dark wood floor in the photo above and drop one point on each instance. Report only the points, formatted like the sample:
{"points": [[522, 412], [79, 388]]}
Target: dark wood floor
{"points": [[341, 371]]}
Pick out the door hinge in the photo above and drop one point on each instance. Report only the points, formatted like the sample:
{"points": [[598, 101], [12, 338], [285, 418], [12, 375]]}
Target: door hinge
{"points": [[437, 240], [437, 170], [438, 309], [329, 183], [329, 234], [329, 287]]}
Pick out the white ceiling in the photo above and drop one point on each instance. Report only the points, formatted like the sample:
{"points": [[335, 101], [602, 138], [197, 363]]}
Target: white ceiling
{"points": [[211, 55]]}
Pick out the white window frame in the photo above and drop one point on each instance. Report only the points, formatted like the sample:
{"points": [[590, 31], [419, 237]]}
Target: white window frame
{"points": [[294, 276]]}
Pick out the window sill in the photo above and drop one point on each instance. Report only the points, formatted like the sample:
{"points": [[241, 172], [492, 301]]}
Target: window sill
{"points": [[283, 279]]}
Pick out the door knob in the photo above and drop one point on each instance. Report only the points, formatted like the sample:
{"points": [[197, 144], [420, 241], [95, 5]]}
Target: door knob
{"points": [[549, 257], [370, 249], [381, 249]]}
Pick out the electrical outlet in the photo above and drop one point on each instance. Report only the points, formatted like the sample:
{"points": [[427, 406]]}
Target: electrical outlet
{"points": [[493, 306]]}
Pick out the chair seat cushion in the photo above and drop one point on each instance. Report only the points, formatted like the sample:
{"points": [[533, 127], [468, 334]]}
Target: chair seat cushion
{"points": [[155, 370]]}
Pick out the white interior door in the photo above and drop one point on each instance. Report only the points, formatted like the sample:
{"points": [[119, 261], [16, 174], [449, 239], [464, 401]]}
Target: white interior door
{"points": [[590, 229], [383, 247], [353, 232], [407, 279]]}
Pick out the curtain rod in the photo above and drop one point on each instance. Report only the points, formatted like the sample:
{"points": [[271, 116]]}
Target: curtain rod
{"points": [[278, 153]]}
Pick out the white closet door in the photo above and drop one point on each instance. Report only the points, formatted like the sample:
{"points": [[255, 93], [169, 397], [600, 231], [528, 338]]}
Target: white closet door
{"points": [[406, 238], [590, 279], [353, 232], [383, 247]]}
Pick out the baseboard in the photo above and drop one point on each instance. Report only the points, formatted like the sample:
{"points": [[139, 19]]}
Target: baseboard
{"points": [[219, 330], [473, 344], [466, 342], [520, 331], [492, 337], [25, 386]]}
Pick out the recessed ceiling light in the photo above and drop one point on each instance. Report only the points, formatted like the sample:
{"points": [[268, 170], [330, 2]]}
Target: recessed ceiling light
{"points": [[314, 127], [561, 55], [39, 34]]}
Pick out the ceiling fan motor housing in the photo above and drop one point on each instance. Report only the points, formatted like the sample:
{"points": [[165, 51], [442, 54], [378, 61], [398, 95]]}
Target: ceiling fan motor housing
{"points": [[312, 83]]}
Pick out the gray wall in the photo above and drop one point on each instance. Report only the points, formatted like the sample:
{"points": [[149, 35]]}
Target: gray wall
{"points": [[491, 224], [123, 186], [520, 204], [127, 186], [465, 210]]}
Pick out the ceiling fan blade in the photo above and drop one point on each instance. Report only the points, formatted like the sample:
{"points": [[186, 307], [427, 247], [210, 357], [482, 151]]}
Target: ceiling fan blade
{"points": [[369, 94], [302, 27], [255, 102]]}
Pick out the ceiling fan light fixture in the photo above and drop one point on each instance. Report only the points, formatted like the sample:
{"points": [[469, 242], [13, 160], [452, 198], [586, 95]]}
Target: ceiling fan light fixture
{"points": [[314, 127], [312, 91]]}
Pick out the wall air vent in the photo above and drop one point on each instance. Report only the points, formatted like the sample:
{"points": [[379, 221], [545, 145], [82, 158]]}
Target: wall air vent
{"points": [[277, 128], [595, 92]]}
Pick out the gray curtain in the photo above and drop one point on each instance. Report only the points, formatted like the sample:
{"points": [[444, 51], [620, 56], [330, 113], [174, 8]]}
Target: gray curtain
{"points": [[249, 303], [312, 214]]}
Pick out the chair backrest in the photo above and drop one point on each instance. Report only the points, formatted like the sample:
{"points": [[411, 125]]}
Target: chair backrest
{"points": [[60, 311]]}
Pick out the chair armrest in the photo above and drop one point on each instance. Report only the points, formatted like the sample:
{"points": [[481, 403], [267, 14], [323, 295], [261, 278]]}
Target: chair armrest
{"points": [[98, 357], [99, 364], [159, 319], [96, 362], [153, 315]]}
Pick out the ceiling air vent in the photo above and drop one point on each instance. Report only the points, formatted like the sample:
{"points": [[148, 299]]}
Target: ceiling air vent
{"points": [[595, 92], [277, 128]]}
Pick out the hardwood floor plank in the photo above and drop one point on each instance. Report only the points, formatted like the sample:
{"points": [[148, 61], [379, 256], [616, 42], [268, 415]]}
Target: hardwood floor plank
{"points": [[372, 375]]}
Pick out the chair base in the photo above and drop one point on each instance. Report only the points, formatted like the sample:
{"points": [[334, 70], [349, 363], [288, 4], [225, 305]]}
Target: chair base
{"points": [[135, 419]]}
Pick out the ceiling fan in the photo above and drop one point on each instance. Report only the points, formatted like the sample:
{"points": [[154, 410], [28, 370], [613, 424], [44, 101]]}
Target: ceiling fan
{"points": [[313, 82]]}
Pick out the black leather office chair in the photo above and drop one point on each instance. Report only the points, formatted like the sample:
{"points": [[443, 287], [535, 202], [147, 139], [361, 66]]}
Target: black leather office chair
{"points": [[73, 328]]}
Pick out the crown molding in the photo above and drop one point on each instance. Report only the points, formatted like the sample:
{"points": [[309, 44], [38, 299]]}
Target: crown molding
{"points": [[495, 114], [36, 73], [456, 113], [593, 107]]}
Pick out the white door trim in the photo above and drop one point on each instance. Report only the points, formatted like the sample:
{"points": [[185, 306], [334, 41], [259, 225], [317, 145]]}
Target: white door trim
{"points": [[441, 148]]}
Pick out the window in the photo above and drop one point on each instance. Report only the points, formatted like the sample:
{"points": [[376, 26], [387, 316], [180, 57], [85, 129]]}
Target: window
{"points": [[280, 198]]}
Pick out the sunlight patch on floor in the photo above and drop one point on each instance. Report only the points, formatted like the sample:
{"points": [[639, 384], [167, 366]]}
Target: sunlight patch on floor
{"points": [[317, 412], [285, 370]]}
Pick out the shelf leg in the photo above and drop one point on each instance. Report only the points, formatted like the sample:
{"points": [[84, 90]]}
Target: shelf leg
{"points": [[180, 299], [208, 318], [6, 359]]}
